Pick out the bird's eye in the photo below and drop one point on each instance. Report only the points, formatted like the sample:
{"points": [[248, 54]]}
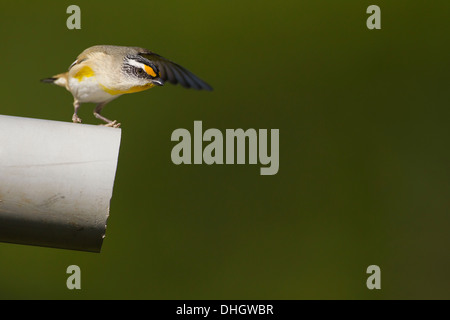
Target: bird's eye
{"points": [[140, 71]]}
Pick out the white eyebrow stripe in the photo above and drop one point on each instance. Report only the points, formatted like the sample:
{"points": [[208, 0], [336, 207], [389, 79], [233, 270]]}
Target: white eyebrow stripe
{"points": [[74, 63], [136, 64]]}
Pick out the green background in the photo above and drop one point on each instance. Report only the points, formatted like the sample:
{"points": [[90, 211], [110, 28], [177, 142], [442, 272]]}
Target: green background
{"points": [[364, 150]]}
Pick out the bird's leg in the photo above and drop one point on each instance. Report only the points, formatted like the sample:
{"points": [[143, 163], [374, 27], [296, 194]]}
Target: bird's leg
{"points": [[75, 117], [97, 114]]}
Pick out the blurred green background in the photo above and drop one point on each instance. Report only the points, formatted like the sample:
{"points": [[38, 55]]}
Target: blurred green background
{"points": [[364, 150]]}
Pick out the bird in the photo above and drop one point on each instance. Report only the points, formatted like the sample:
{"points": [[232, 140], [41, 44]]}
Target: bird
{"points": [[103, 73]]}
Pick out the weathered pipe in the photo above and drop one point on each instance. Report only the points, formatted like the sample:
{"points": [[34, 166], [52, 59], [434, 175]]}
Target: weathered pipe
{"points": [[56, 182]]}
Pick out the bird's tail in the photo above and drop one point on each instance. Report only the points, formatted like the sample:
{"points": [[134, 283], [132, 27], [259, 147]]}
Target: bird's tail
{"points": [[59, 80]]}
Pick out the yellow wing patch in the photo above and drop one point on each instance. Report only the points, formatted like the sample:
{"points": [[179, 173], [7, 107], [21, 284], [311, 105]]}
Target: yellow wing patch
{"points": [[131, 90], [84, 72]]}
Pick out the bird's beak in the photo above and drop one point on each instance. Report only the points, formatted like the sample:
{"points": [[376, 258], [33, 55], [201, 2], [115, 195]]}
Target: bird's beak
{"points": [[158, 82]]}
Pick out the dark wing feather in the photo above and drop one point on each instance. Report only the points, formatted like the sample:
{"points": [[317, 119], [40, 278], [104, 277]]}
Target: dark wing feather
{"points": [[179, 76], [174, 73]]}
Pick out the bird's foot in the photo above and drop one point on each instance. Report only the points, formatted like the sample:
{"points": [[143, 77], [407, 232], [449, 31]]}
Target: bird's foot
{"points": [[76, 119], [112, 124]]}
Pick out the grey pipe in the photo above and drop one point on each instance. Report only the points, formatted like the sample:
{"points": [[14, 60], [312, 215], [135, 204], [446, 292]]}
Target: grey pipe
{"points": [[56, 182]]}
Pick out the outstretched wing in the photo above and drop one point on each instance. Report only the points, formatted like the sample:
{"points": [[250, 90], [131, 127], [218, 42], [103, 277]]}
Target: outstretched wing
{"points": [[174, 73]]}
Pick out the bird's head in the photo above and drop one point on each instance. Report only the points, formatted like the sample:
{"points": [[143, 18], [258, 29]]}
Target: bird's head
{"points": [[141, 71]]}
